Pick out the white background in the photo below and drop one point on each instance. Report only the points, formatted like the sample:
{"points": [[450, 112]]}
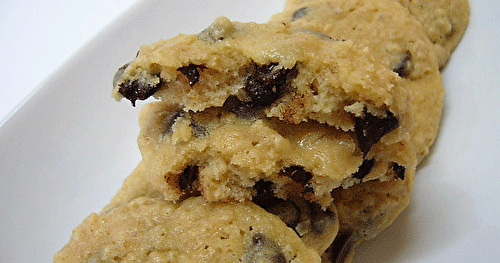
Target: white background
{"points": [[37, 37]]}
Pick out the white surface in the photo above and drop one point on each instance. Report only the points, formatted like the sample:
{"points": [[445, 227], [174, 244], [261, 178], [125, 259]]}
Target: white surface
{"points": [[66, 151], [36, 37]]}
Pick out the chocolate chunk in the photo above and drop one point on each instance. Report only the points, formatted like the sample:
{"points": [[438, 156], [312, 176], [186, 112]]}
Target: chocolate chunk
{"points": [[364, 169], [243, 109], [265, 197], [267, 84], [297, 174], [198, 129], [187, 178], [286, 210], [341, 248], [300, 13], [405, 66], [308, 189], [319, 218], [192, 73], [264, 249], [369, 129], [399, 170], [135, 90]]}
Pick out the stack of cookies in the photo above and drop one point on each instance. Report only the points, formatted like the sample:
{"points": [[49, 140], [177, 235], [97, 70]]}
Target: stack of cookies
{"points": [[289, 141]]}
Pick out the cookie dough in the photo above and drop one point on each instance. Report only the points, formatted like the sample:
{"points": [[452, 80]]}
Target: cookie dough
{"points": [[154, 230]]}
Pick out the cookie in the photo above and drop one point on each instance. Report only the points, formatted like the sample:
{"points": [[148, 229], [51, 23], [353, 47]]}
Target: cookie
{"points": [[134, 186], [317, 227], [221, 156], [264, 68], [364, 211], [444, 22], [154, 230], [383, 26], [289, 102]]}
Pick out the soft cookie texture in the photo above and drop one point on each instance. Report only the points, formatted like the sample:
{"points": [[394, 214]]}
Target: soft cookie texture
{"points": [[365, 210], [444, 22], [290, 141], [317, 227], [264, 102], [383, 26], [155, 230]]}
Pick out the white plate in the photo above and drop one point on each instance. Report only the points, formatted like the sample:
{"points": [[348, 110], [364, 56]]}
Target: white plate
{"points": [[66, 151]]}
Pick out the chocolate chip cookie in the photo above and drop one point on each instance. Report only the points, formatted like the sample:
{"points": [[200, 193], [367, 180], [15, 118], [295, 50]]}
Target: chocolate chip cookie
{"points": [[245, 102], [155, 230], [316, 226], [383, 26]]}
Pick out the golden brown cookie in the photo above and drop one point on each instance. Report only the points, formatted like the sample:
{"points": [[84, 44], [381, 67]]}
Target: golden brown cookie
{"points": [[154, 230], [244, 102], [444, 22], [383, 26]]}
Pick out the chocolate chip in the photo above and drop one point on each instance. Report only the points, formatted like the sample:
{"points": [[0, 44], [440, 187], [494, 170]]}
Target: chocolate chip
{"points": [[405, 66], [265, 197], [341, 248], [187, 178], [267, 84], [261, 247], [399, 170], [297, 174], [198, 128], [300, 13], [308, 189], [369, 129], [135, 90], [319, 218], [243, 109], [192, 73], [287, 211], [364, 169]]}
